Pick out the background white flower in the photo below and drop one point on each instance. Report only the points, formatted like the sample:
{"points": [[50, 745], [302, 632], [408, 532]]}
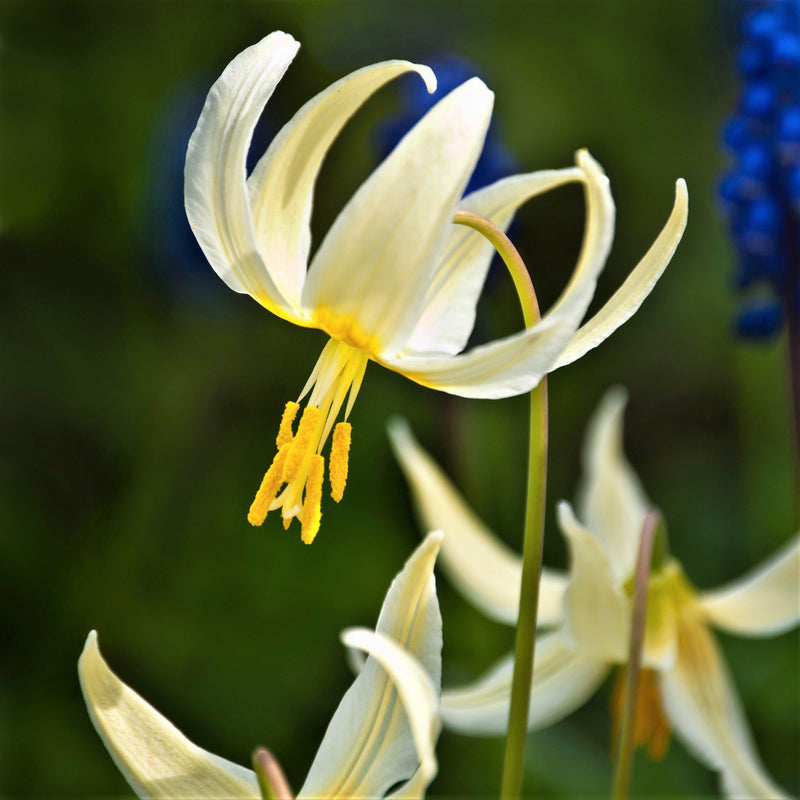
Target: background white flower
{"points": [[685, 683]]}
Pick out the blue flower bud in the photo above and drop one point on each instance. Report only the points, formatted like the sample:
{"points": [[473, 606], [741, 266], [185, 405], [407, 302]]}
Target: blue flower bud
{"points": [[785, 49], [756, 162], [736, 133], [762, 226], [752, 60], [759, 320], [759, 100], [760, 25]]}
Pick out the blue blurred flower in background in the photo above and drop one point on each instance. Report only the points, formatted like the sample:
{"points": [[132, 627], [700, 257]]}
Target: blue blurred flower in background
{"points": [[760, 194]]}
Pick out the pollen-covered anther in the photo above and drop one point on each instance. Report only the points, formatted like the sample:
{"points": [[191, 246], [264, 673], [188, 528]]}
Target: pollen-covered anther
{"points": [[651, 729], [301, 443], [340, 456], [273, 480], [312, 506], [285, 433]]}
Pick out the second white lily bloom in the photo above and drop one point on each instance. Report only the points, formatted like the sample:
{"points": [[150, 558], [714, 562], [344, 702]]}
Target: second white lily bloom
{"points": [[382, 734], [394, 280], [685, 683]]}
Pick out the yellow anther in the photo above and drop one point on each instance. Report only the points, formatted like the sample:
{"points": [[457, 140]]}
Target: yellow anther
{"points": [[651, 728], [269, 488], [312, 507], [340, 453], [285, 434], [301, 443]]}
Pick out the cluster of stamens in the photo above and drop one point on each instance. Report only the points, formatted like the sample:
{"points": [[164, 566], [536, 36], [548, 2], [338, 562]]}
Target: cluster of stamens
{"points": [[295, 478]]}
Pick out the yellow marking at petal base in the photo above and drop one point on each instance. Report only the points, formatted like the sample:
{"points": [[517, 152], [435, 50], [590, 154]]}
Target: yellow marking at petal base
{"points": [[300, 445], [345, 329], [269, 488], [285, 433], [650, 725], [312, 507], [340, 452], [287, 521]]}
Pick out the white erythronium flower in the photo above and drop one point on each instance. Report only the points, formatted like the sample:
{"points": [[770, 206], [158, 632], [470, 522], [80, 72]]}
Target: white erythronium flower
{"points": [[394, 280], [684, 684], [382, 734]]}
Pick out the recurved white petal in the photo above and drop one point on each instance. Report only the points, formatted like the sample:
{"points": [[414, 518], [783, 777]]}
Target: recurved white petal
{"points": [[483, 569], [625, 302], [702, 704], [611, 500], [764, 602], [157, 760], [516, 363], [215, 189], [419, 697], [451, 299], [376, 262], [597, 612], [563, 680], [369, 745], [282, 184]]}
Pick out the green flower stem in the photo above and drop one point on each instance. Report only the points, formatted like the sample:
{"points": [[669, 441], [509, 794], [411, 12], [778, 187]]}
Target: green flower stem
{"points": [[533, 537], [271, 780], [641, 579]]}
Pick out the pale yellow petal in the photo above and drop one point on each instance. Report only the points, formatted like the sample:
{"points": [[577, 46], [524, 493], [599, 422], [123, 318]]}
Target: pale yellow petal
{"points": [[215, 189], [625, 302], [611, 501], [516, 363], [764, 602], [482, 568], [157, 760], [597, 612], [451, 299], [563, 680], [282, 183], [376, 261], [702, 704], [419, 697], [369, 745]]}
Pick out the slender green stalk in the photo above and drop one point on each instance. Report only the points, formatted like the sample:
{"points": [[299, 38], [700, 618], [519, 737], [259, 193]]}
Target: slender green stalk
{"points": [[271, 780], [533, 538], [641, 578]]}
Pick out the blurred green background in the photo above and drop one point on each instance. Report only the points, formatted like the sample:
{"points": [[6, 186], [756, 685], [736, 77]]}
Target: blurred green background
{"points": [[139, 396]]}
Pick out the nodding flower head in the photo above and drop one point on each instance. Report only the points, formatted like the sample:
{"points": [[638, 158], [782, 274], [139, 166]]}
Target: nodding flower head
{"points": [[394, 280], [760, 194]]}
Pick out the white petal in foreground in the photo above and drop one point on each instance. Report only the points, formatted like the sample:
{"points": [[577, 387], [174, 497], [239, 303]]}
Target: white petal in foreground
{"points": [[483, 569], [764, 602], [625, 302], [597, 612], [611, 501], [282, 184], [701, 702], [376, 261], [515, 364], [215, 190], [157, 760], [369, 745], [563, 680], [418, 695], [452, 297]]}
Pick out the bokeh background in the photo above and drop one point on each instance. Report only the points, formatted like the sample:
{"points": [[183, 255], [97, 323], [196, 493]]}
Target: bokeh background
{"points": [[139, 396]]}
